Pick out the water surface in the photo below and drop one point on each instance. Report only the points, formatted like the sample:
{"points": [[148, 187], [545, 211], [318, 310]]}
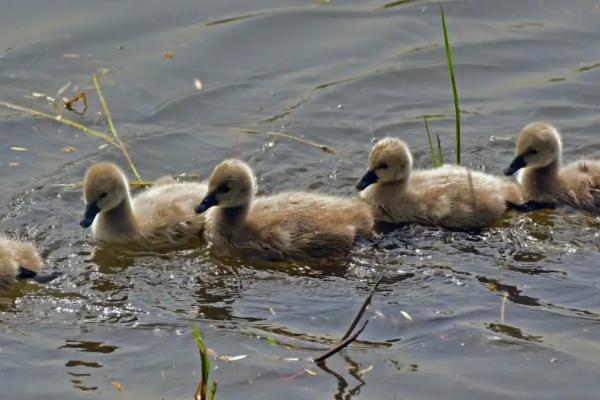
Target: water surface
{"points": [[341, 73]]}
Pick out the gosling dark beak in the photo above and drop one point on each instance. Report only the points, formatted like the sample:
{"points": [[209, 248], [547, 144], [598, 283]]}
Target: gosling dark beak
{"points": [[368, 179], [25, 273], [45, 278], [515, 165], [91, 210], [209, 201]]}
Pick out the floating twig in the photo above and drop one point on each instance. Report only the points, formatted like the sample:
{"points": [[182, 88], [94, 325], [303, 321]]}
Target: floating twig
{"points": [[62, 120], [112, 128], [362, 309], [349, 337], [343, 344], [323, 147]]}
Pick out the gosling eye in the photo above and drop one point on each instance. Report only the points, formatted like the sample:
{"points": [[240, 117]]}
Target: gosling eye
{"points": [[224, 188], [533, 151], [102, 195], [382, 166]]}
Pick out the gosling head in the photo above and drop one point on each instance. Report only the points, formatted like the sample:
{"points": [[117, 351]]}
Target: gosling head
{"points": [[230, 185], [538, 145], [389, 161], [105, 187], [28, 260]]}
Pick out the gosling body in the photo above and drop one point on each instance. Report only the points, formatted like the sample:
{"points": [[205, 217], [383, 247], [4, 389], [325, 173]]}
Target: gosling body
{"points": [[159, 217], [289, 226], [18, 260], [545, 182], [449, 196]]}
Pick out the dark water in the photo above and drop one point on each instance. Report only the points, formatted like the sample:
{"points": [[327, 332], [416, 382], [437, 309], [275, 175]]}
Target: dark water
{"points": [[340, 73]]}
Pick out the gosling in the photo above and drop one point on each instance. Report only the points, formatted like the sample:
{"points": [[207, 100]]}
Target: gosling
{"points": [[544, 181], [450, 196], [286, 227], [18, 261], [158, 218]]}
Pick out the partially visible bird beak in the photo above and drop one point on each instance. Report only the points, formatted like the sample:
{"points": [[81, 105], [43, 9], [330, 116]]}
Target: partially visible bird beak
{"points": [[515, 165], [25, 273], [45, 278], [368, 179], [209, 201], [91, 210]]}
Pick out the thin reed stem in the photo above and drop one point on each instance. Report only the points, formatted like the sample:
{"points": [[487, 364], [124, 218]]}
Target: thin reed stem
{"points": [[112, 128], [62, 120]]}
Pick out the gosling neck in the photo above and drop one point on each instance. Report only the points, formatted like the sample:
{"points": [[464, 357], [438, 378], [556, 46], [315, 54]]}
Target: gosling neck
{"points": [[395, 185], [543, 180], [229, 217], [119, 220]]}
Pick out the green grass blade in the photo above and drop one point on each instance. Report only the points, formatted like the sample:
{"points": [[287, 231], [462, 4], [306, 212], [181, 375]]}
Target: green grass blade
{"points": [[213, 390], [440, 155], [201, 392], [431, 151], [453, 81]]}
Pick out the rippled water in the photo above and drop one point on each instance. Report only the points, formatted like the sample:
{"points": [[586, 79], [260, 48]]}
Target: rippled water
{"points": [[341, 73]]}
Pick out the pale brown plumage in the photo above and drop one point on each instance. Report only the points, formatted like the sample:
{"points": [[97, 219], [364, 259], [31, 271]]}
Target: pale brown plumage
{"points": [[450, 196], [160, 217], [18, 260], [289, 226], [544, 180]]}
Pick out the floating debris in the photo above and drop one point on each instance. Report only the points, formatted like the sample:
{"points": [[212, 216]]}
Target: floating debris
{"points": [[63, 88], [323, 147], [117, 385], [198, 84], [585, 67], [361, 372], [233, 19], [394, 4], [49, 99], [71, 55], [406, 315], [232, 358], [68, 149], [169, 54], [69, 103], [18, 148]]}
